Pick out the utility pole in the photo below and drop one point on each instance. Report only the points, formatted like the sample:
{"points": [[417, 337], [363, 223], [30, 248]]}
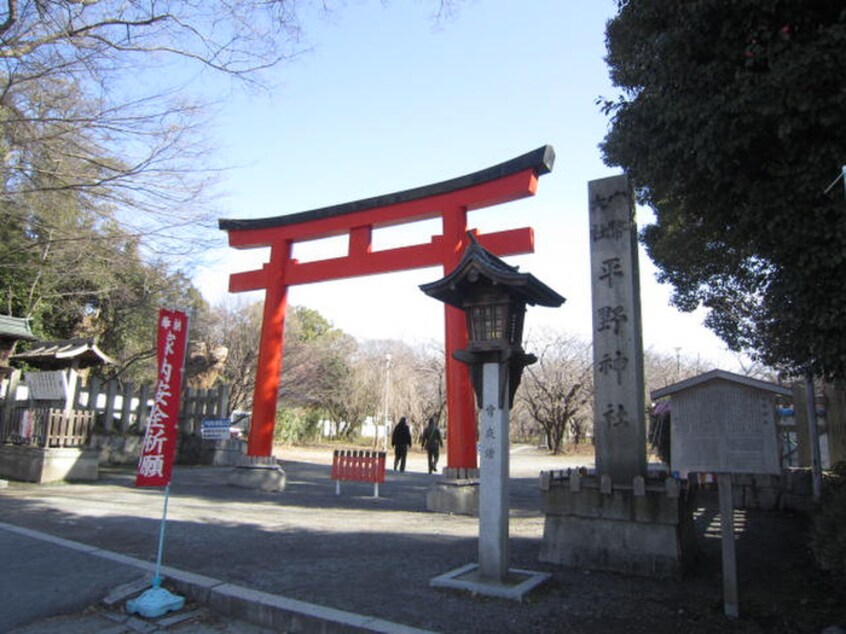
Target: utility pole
{"points": [[387, 387], [813, 436]]}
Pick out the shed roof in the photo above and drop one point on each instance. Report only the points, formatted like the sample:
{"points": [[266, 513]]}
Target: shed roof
{"points": [[53, 355], [720, 375], [15, 328]]}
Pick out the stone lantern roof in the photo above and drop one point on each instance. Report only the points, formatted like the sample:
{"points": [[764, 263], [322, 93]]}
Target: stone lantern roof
{"points": [[478, 263]]}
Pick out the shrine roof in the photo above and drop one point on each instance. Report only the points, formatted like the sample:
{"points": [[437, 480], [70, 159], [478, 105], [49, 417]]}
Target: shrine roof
{"points": [[15, 328], [540, 160], [53, 355]]}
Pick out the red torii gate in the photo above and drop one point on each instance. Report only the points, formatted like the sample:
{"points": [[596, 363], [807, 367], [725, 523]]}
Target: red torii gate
{"points": [[450, 200]]}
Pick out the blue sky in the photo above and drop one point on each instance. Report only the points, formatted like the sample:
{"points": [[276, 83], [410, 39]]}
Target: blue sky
{"points": [[386, 99]]}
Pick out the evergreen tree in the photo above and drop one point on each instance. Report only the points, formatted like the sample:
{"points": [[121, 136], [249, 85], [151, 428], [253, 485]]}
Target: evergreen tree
{"points": [[731, 125]]}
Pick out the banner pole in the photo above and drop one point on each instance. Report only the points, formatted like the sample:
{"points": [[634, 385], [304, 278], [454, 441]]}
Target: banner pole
{"points": [[158, 453], [157, 579]]}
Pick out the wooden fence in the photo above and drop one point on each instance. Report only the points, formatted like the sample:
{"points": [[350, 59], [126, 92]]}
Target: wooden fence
{"points": [[106, 407], [50, 427]]}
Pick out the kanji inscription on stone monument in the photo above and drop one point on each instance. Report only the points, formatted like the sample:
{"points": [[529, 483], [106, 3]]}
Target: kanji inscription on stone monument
{"points": [[619, 425]]}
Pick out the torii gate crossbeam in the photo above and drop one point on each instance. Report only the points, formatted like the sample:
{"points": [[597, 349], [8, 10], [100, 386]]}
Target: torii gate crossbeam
{"points": [[449, 200]]}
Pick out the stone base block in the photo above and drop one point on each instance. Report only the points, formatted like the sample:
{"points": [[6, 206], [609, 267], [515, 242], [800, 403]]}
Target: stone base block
{"points": [[258, 472], [460, 474], [515, 586], [36, 464], [644, 529], [223, 453], [456, 496], [118, 449]]}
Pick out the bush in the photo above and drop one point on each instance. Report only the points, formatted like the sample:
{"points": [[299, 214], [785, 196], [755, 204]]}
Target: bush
{"points": [[296, 425]]}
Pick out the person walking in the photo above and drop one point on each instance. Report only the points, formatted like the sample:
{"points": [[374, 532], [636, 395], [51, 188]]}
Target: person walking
{"points": [[432, 442], [401, 441]]}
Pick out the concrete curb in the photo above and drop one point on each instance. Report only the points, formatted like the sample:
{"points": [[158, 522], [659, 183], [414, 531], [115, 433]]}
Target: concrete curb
{"points": [[259, 608]]}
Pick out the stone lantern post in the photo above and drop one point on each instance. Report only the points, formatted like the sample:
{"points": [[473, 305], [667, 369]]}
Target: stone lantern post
{"points": [[493, 296]]}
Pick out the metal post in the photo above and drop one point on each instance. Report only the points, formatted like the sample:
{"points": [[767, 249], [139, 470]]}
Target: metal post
{"points": [[385, 408], [813, 436], [157, 579], [156, 601]]}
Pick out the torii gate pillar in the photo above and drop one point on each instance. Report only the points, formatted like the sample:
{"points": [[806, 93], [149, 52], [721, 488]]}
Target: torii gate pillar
{"points": [[449, 200]]}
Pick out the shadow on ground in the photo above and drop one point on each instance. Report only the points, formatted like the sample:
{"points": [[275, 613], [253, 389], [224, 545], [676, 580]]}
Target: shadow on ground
{"points": [[375, 556]]}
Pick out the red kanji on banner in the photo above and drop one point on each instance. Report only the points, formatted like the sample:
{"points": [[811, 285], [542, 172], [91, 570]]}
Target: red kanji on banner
{"points": [[157, 452]]}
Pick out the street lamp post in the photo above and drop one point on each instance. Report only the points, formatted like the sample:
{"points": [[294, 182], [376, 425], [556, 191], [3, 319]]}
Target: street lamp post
{"points": [[385, 405]]}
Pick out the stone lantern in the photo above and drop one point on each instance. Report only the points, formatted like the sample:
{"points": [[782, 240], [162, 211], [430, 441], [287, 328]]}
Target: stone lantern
{"points": [[493, 296]]}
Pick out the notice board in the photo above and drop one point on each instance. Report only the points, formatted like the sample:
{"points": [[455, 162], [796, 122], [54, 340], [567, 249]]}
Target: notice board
{"points": [[723, 427]]}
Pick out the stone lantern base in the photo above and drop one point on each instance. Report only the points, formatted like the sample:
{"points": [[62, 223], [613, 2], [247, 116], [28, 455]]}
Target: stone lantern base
{"points": [[457, 492], [645, 528]]}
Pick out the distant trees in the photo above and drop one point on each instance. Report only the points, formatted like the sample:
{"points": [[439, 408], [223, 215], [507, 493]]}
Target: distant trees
{"points": [[236, 326], [334, 378], [326, 375], [416, 383], [330, 377], [557, 391]]}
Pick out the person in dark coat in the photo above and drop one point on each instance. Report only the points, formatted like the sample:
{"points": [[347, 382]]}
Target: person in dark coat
{"points": [[432, 442], [401, 441]]}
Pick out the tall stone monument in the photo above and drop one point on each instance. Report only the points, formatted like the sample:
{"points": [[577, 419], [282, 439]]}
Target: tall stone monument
{"points": [[619, 409], [618, 518]]}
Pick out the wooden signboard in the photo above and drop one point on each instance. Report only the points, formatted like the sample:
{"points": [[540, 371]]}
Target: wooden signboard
{"points": [[724, 423], [724, 428], [47, 386]]}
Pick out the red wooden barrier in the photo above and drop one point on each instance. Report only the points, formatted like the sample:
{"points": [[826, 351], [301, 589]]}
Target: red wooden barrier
{"points": [[359, 466]]}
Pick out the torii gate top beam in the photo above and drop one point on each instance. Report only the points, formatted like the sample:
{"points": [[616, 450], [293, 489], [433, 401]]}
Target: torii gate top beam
{"points": [[540, 161], [501, 183]]}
